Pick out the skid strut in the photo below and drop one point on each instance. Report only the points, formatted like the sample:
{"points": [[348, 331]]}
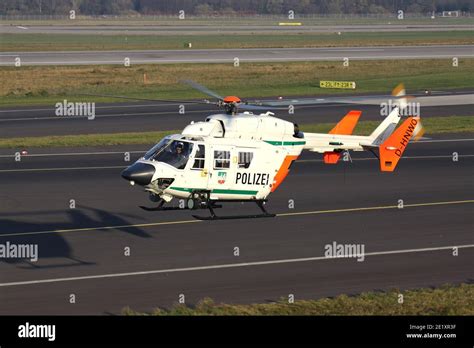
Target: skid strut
{"points": [[213, 216], [161, 207]]}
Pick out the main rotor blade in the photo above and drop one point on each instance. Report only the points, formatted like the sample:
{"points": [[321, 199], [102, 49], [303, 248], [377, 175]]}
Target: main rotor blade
{"points": [[367, 99], [202, 88], [259, 107], [149, 99]]}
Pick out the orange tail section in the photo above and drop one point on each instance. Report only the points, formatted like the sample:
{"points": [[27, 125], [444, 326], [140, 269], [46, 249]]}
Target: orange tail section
{"points": [[391, 150], [347, 124], [283, 171], [344, 127]]}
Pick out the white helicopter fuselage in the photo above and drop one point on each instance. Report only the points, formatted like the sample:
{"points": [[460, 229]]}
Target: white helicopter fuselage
{"points": [[233, 157]]}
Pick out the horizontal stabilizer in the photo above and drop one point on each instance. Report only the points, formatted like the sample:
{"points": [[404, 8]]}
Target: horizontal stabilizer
{"points": [[392, 148], [347, 124]]}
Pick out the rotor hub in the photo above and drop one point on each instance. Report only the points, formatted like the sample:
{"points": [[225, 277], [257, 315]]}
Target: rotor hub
{"points": [[231, 99]]}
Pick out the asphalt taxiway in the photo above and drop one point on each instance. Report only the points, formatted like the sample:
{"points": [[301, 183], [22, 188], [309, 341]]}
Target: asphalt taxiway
{"points": [[82, 250], [144, 116]]}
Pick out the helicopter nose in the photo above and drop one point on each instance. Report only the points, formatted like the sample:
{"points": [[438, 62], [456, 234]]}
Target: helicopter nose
{"points": [[140, 173]]}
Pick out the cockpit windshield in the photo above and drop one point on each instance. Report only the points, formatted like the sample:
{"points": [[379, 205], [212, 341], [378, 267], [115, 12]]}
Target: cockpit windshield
{"points": [[173, 152]]}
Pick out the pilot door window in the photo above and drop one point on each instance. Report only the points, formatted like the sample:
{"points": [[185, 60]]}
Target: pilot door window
{"points": [[221, 159], [199, 157]]}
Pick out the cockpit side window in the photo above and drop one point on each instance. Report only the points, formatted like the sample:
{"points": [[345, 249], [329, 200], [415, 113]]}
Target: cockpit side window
{"points": [[199, 157], [173, 152]]}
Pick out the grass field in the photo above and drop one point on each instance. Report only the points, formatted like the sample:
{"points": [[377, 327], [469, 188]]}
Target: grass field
{"points": [[433, 125], [446, 300], [66, 42], [50, 84]]}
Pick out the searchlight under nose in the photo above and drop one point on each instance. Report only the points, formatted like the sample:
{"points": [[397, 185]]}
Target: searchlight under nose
{"points": [[140, 173]]}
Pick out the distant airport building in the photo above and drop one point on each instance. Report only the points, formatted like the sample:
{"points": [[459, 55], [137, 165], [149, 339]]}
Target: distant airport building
{"points": [[451, 14]]}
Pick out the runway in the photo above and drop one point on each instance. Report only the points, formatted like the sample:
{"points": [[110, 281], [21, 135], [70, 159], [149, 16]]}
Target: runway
{"points": [[244, 55], [212, 29], [82, 250], [143, 116]]}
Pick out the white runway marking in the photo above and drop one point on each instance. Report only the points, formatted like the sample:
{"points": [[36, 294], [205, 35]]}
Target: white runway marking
{"points": [[125, 165], [101, 116], [58, 169], [229, 265], [444, 140], [74, 154], [298, 107], [97, 107], [179, 222]]}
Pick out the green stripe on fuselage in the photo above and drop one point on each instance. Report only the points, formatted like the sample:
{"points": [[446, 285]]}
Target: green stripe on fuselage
{"points": [[235, 192], [285, 143], [221, 191], [184, 189]]}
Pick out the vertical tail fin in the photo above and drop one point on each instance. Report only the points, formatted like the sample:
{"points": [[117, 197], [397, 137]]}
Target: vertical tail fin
{"points": [[386, 128], [344, 127], [392, 148], [347, 124]]}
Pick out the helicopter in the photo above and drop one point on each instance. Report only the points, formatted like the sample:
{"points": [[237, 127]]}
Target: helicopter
{"points": [[239, 156]]}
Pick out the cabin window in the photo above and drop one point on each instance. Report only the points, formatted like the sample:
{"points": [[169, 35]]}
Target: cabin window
{"points": [[199, 157], [245, 158], [221, 159]]}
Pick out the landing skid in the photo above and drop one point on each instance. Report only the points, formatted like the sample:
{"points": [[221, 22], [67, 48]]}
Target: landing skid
{"points": [[161, 207], [260, 204]]}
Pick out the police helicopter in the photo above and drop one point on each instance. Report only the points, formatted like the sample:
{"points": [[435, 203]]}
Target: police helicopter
{"points": [[239, 156]]}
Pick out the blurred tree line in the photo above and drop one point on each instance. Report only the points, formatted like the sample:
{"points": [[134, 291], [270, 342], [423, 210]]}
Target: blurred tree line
{"points": [[230, 7]]}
